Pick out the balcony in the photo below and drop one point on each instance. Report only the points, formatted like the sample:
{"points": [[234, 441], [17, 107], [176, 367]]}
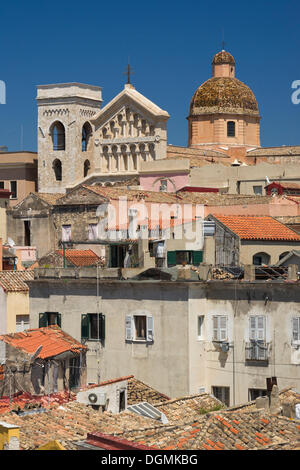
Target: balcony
{"points": [[256, 353]]}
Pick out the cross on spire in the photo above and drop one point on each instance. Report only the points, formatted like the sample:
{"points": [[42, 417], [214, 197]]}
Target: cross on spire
{"points": [[128, 72]]}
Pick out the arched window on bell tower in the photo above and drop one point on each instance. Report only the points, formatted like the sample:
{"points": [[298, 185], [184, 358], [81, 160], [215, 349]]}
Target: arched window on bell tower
{"points": [[230, 129], [86, 168], [57, 168], [86, 135], [58, 136]]}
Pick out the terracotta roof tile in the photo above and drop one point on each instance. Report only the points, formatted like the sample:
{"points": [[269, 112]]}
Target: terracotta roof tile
{"points": [[52, 338], [80, 257], [14, 281], [257, 227]]}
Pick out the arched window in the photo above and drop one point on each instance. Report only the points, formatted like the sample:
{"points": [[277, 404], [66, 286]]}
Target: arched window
{"points": [[261, 258], [58, 136], [57, 169], [86, 135], [230, 129], [283, 255], [86, 168]]}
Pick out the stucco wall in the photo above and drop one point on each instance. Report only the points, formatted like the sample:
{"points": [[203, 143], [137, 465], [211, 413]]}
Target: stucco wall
{"points": [[163, 364], [17, 304]]}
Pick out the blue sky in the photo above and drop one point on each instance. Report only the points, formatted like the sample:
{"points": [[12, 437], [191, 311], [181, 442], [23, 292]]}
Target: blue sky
{"points": [[170, 45]]}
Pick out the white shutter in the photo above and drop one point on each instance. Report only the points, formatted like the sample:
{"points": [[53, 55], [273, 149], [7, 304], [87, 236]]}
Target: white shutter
{"points": [[252, 328], [128, 328], [223, 328], [215, 328], [219, 328], [296, 328], [261, 334], [150, 332]]}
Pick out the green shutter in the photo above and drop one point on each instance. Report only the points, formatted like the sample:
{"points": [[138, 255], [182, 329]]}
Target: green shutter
{"points": [[58, 319], [84, 326], [197, 257], [102, 327], [43, 320], [171, 258]]}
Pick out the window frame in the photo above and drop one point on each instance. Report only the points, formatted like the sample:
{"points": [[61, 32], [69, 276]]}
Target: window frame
{"points": [[200, 327], [219, 328], [231, 129], [87, 318], [296, 342], [130, 329], [14, 193]]}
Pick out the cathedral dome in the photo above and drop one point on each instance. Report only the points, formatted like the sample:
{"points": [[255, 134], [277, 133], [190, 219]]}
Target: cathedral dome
{"points": [[223, 95], [223, 57]]}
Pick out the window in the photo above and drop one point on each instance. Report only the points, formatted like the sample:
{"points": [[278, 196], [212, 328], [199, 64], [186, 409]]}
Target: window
{"points": [[49, 318], [93, 327], [200, 326], [261, 259], [184, 257], [22, 323], [58, 136], [257, 190], [86, 168], [66, 233], [296, 330], [13, 190], [256, 392], [219, 327], [93, 231], [163, 185], [57, 168], [1, 184], [86, 135], [230, 129], [256, 349], [139, 328], [222, 394]]}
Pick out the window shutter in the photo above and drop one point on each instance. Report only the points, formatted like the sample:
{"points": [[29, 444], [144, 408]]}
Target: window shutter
{"points": [[171, 258], [128, 328], [84, 326], [102, 327], [59, 319], [261, 328], [150, 332], [223, 328], [296, 328], [197, 257], [43, 320], [252, 328], [215, 328]]}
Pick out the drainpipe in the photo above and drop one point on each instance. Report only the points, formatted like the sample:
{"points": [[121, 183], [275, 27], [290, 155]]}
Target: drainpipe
{"points": [[64, 253]]}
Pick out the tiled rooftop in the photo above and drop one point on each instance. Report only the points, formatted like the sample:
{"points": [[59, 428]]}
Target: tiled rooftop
{"points": [[14, 281], [258, 228], [138, 391], [80, 257], [254, 430], [52, 338]]}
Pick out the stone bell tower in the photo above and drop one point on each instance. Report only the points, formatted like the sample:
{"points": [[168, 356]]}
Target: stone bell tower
{"points": [[65, 134]]}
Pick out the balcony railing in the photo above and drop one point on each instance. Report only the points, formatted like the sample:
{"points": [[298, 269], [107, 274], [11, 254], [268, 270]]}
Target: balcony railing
{"points": [[256, 351]]}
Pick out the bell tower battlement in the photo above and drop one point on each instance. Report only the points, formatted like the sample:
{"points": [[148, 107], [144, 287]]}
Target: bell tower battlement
{"points": [[65, 133]]}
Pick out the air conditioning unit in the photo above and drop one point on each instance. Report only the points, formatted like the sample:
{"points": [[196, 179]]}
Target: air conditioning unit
{"points": [[96, 398]]}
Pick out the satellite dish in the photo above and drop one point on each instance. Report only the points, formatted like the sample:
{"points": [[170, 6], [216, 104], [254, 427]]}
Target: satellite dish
{"points": [[37, 352]]}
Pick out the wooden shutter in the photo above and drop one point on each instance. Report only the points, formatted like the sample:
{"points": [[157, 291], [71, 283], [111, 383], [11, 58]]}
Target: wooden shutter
{"points": [[257, 330], [197, 257], [128, 328], [43, 319], [102, 327], [171, 256], [85, 323], [150, 332], [220, 327], [296, 328], [59, 319]]}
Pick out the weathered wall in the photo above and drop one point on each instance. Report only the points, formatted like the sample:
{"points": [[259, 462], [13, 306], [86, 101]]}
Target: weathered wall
{"points": [[17, 303], [278, 302], [163, 364]]}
